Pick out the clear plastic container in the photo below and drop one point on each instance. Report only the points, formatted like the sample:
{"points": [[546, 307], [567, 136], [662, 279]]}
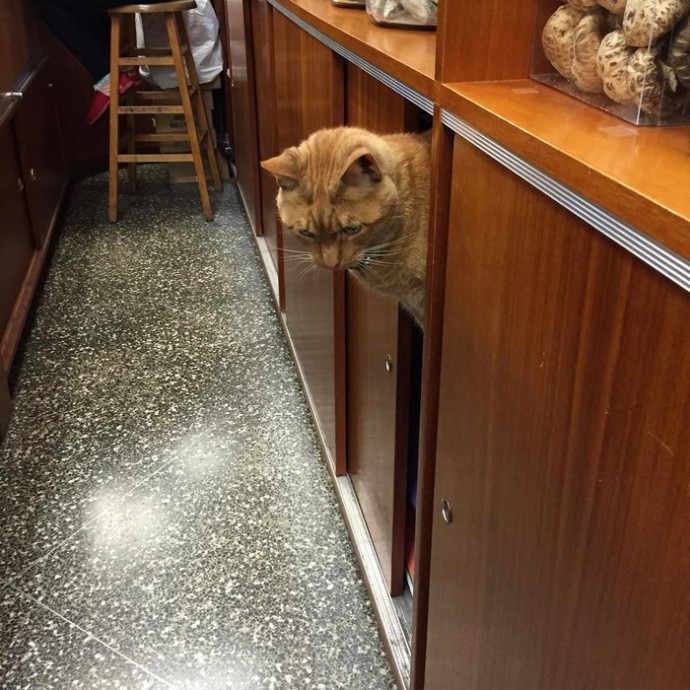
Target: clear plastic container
{"points": [[630, 58], [406, 13], [356, 4]]}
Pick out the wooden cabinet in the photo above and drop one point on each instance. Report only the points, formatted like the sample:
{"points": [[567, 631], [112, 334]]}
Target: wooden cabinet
{"points": [[19, 43], [41, 154], [309, 96], [33, 175], [16, 241], [563, 451], [243, 99], [262, 37], [5, 403], [33, 185], [378, 377], [556, 366], [378, 367]]}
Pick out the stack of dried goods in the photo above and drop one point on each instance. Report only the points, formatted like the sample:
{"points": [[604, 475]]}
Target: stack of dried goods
{"points": [[635, 52]]}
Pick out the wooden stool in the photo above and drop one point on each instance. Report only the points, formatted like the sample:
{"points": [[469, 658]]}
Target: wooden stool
{"points": [[185, 100]]}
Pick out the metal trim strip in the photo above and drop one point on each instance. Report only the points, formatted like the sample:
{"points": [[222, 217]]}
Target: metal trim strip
{"points": [[401, 89], [654, 254]]}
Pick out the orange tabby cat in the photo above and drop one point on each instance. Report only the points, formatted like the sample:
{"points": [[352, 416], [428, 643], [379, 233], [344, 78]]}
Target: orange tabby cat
{"points": [[360, 201]]}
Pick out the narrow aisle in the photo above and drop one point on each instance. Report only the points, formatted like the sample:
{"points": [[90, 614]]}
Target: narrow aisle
{"points": [[166, 517]]}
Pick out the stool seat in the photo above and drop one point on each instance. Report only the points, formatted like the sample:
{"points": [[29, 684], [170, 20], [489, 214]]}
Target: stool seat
{"points": [[186, 100], [155, 7]]}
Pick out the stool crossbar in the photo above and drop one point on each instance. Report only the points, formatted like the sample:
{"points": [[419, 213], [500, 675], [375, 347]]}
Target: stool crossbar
{"points": [[186, 100]]}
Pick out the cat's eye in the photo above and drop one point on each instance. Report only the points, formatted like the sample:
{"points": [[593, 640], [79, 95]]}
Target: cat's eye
{"points": [[307, 233], [352, 229]]}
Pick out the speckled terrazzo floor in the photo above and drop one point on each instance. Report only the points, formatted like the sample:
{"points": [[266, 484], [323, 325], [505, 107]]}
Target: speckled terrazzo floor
{"points": [[166, 518]]}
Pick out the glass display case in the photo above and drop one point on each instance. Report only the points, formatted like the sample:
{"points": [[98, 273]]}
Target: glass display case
{"points": [[407, 13], [630, 58], [349, 3]]}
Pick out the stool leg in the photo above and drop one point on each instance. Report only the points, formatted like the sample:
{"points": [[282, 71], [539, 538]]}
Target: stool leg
{"points": [[131, 44], [115, 34], [202, 113], [174, 40]]}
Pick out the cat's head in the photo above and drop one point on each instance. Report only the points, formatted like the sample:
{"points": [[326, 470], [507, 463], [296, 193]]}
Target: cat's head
{"points": [[336, 195]]}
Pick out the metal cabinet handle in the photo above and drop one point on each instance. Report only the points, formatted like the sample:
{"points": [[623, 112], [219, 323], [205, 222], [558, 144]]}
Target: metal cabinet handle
{"points": [[446, 510]]}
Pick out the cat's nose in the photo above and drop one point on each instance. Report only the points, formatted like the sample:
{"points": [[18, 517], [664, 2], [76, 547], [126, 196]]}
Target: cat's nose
{"points": [[330, 257]]}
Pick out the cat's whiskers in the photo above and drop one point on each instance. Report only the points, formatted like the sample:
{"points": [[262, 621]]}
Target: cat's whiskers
{"points": [[366, 269], [290, 253], [311, 268], [381, 262], [295, 255], [298, 259]]}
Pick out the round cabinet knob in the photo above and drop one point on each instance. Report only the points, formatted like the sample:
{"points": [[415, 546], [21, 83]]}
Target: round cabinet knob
{"points": [[389, 363], [32, 174], [446, 510], [20, 184]]}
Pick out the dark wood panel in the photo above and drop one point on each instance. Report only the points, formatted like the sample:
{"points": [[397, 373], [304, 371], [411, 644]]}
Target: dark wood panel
{"points": [[406, 55], [16, 244], [484, 41], [41, 155], [309, 96], [262, 34], [442, 155], [220, 9], [378, 384], [563, 449], [308, 83], [18, 38], [377, 398], [5, 403], [243, 100], [85, 146]]}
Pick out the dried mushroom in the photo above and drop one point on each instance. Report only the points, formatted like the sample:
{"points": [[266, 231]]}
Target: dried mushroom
{"points": [[645, 21], [588, 36], [613, 6], [679, 53], [582, 4], [636, 76], [423, 11], [558, 38], [653, 83], [613, 59]]}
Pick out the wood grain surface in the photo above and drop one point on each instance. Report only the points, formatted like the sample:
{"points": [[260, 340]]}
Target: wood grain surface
{"points": [[563, 449]]}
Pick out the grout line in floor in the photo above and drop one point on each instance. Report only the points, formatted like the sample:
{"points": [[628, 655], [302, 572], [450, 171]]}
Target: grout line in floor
{"points": [[71, 536], [91, 635]]}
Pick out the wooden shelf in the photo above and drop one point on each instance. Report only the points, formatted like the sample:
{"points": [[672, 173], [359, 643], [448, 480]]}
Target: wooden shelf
{"points": [[408, 55], [639, 174]]}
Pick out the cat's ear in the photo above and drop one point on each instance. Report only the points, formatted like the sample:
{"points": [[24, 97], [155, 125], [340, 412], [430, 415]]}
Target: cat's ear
{"points": [[284, 169], [361, 168]]}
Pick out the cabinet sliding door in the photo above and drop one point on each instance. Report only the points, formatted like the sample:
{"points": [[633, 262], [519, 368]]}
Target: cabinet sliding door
{"points": [[309, 96]]}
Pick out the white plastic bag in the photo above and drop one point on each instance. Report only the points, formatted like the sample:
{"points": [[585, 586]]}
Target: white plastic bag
{"points": [[204, 36]]}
